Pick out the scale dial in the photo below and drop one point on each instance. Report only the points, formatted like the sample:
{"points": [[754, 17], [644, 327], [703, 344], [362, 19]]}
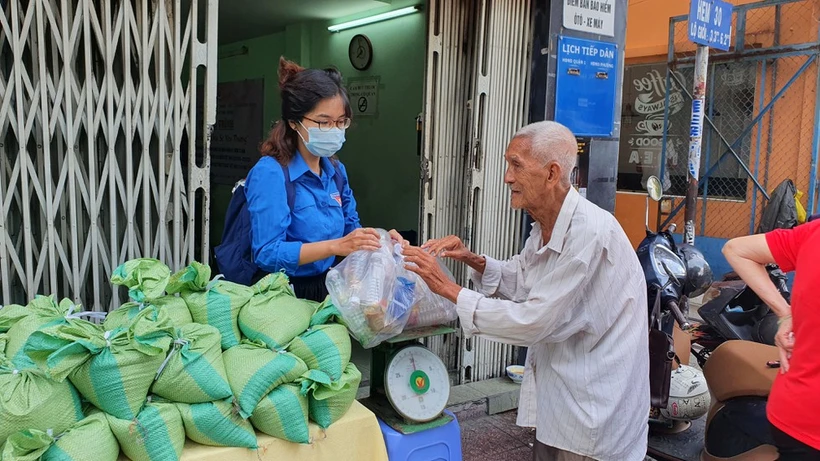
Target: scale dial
{"points": [[417, 384]]}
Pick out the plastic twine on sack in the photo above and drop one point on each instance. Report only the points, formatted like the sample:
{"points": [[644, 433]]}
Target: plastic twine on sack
{"points": [[88, 314], [178, 343], [106, 336], [50, 433], [136, 428], [211, 284]]}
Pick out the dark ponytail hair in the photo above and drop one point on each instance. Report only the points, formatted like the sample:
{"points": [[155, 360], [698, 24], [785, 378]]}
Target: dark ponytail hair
{"points": [[301, 90]]}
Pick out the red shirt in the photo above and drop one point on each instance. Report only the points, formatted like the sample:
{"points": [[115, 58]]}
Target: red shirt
{"points": [[792, 403]]}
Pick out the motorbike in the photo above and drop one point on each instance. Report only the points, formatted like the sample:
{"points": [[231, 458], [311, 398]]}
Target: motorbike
{"points": [[732, 389], [674, 273], [732, 311]]}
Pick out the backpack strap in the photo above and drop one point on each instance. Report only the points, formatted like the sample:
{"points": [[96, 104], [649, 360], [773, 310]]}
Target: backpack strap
{"points": [[289, 189], [338, 177]]}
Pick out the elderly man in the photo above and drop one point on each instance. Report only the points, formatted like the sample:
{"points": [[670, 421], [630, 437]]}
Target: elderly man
{"points": [[576, 296]]}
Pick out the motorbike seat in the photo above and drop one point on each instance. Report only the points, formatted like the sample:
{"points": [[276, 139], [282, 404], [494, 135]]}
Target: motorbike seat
{"points": [[738, 369]]}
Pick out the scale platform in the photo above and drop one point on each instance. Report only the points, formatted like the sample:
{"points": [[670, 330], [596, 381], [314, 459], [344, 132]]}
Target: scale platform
{"points": [[378, 401]]}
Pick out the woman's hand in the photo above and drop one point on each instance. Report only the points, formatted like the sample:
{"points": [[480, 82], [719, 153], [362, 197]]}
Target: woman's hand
{"points": [[360, 239], [394, 234], [426, 266], [784, 340]]}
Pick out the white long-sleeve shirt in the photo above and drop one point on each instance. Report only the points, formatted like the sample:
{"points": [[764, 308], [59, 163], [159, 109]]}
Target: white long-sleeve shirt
{"points": [[579, 304]]}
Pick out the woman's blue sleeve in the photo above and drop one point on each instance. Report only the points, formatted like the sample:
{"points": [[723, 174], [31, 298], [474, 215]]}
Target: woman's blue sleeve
{"points": [[348, 204], [270, 218]]}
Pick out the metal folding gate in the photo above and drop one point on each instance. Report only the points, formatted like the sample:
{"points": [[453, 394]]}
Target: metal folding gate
{"points": [[103, 151], [477, 92], [762, 120]]}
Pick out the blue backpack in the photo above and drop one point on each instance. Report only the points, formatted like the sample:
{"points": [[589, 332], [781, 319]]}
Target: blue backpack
{"points": [[234, 257]]}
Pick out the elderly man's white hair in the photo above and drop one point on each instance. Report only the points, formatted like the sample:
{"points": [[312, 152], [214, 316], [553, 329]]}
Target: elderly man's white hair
{"points": [[552, 142]]}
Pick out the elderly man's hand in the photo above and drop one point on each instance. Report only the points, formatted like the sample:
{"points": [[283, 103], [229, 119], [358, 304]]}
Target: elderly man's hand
{"points": [[452, 247], [448, 247], [426, 266]]}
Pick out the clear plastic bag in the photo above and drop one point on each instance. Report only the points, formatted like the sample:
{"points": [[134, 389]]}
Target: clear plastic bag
{"points": [[378, 298]]}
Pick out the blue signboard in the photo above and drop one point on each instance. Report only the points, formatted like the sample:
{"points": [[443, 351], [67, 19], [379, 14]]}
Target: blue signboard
{"points": [[585, 86], [710, 23]]}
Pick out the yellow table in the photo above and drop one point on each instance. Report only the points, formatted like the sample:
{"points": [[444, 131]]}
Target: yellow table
{"points": [[355, 437]]}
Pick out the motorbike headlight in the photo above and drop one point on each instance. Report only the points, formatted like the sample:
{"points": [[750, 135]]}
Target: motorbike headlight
{"points": [[663, 256], [698, 273]]}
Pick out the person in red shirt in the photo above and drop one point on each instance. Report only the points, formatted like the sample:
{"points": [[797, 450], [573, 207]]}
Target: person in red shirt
{"points": [[795, 424]]}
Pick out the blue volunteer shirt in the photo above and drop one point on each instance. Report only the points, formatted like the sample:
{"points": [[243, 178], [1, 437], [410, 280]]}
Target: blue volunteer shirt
{"points": [[320, 212]]}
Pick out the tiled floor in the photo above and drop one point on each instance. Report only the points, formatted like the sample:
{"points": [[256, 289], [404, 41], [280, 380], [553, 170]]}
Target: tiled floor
{"points": [[496, 438]]}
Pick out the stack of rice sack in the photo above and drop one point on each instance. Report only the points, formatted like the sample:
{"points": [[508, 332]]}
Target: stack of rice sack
{"points": [[208, 360], [42, 417], [189, 392], [280, 354], [149, 374], [277, 357]]}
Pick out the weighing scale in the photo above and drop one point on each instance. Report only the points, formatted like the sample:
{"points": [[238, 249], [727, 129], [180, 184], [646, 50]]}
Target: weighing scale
{"points": [[409, 384]]}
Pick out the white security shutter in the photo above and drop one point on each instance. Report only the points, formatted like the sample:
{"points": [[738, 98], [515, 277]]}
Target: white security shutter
{"points": [[98, 130], [449, 74], [476, 99], [500, 108]]}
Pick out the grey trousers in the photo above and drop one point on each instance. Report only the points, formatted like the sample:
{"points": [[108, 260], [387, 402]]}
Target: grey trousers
{"points": [[541, 452]]}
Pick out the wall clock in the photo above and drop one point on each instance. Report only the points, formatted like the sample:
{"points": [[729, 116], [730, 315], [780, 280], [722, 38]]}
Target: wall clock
{"points": [[360, 52]]}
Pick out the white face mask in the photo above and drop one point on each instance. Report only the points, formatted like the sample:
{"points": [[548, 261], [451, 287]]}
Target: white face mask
{"points": [[323, 143]]}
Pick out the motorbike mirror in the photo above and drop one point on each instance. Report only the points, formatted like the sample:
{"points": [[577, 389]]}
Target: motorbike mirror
{"points": [[670, 274], [654, 188]]}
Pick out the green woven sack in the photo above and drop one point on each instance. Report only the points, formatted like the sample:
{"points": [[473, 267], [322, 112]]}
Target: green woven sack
{"points": [[325, 348], [28, 445], [43, 311], [217, 424], [329, 401], [112, 369], [326, 312], [174, 306], [216, 303], [194, 371], [72, 445], [274, 315], [30, 400], [254, 370], [145, 278], [157, 433], [11, 314], [4, 338], [283, 414]]}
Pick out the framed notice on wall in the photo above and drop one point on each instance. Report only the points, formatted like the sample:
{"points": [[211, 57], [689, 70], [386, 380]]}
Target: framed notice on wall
{"points": [[364, 95], [236, 133], [585, 86]]}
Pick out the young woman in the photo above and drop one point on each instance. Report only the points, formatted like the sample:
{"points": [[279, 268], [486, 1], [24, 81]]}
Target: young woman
{"points": [[303, 214]]}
